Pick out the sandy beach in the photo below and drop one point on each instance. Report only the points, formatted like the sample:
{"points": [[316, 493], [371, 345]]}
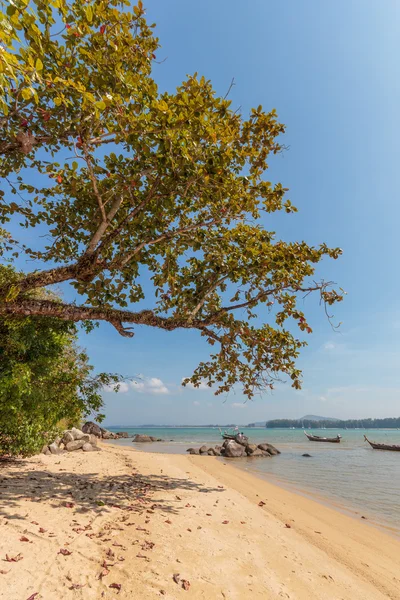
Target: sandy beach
{"points": [[125, 524]]}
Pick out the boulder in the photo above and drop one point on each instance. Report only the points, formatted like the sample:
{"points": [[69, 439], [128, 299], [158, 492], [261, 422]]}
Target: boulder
{"points": [[45, 450], [233, 449], [122, 434], [75, 445], [218, 447], [190, 449], [193, 451], [217, 452], [307, 455], [62, 446], [107, 435], [211, 452], [241, 439], [160, 440], [67, 437], [77, 433], [92, 428], [54, 449], [92, 439], [204, 449], [141, 438], [250, 448], [87, 447], [269, 448], [258, 452]]}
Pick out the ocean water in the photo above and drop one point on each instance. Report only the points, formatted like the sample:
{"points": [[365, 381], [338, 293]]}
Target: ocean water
{"points": [[351, 476]]}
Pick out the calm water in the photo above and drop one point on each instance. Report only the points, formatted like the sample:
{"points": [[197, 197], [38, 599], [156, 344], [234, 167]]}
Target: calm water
{"points": [[350, 475]]}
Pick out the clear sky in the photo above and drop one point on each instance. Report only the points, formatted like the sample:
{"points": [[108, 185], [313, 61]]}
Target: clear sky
{"points": [[331, 69]]}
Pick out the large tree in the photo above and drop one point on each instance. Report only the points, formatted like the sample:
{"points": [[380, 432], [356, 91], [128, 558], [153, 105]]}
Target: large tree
{"points": [[126, 181]]}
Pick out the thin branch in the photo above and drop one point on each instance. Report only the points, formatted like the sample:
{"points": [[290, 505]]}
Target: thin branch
{"points": [[208, 292], [94, 182]]}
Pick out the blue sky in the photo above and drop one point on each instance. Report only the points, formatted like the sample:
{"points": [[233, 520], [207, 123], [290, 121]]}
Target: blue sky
{"points": [[331, 71]]}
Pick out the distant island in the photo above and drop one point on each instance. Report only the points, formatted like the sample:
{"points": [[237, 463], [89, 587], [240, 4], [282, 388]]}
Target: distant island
{"points": [[315, 422]]}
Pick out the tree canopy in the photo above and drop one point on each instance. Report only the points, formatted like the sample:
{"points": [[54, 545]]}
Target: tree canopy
{"points": [[125, 181], [44, 378]]}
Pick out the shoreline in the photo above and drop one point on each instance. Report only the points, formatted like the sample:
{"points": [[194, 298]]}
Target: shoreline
{"points": [[326, 499], [136, 519]]}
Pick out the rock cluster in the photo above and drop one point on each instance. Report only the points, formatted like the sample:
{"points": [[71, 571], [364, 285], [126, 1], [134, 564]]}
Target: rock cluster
{"points": [[237, 448], [71, 440], [100, 432], [145, 438]]}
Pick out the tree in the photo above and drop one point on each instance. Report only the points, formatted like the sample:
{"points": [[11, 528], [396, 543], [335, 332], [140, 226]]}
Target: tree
{"points": [[44, 378], [127, 180]]}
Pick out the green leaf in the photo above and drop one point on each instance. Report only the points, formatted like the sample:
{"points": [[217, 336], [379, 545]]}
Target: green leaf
{"points": [[39, 64], [89, 13]]}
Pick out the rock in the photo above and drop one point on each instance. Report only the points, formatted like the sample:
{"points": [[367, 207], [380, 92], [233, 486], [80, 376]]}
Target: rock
{"points": [[204, 449], [218, 447], [217, 452], [45, 450], [141, 438], [269, 448], [92, 428], [122, 434], [62, 446], [190, 449], [75, 445], [160, 440], [107, 435], [92, 439], [57, 441], [193, 451], [54, 449], [77, 433], [233, 449], [153, 439], [241, 439], [67, 437], [307, 455], [250, 448], [258, 452], [87, 447]]}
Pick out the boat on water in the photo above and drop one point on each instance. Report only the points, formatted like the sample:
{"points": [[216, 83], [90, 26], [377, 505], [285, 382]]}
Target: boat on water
{"points": [[317, 438], [376, 446]]}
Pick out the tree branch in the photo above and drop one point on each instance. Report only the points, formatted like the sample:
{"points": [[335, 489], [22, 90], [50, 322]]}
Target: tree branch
{"points": [[71, 312]]}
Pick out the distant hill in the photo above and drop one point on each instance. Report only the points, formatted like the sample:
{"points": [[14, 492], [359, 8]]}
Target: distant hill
{"points": [[317, 418], [257, 424]]}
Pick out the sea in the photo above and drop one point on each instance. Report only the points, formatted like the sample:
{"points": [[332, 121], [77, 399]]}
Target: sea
{"points": [[350, 476]]}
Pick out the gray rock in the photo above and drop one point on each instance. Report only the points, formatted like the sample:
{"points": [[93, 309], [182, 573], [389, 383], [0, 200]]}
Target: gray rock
{"points": [[217, 452], [107, 435], [75, 445], [77, 433], [122, 434], [67, 437], [54, 449], [193, 451], [62, 446], [93, 439], [258, 452], [269, 448], [218, 447], [190, 449], [45, 450], [211, 452], [87, 447], [241, 439], [92, 428], [250, 448], [141, 438], [233, 449], [307, 455], [204, 449]]}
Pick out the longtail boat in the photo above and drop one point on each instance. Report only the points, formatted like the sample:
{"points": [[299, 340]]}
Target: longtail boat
{"points": [[382, 446], [317, 438]]}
